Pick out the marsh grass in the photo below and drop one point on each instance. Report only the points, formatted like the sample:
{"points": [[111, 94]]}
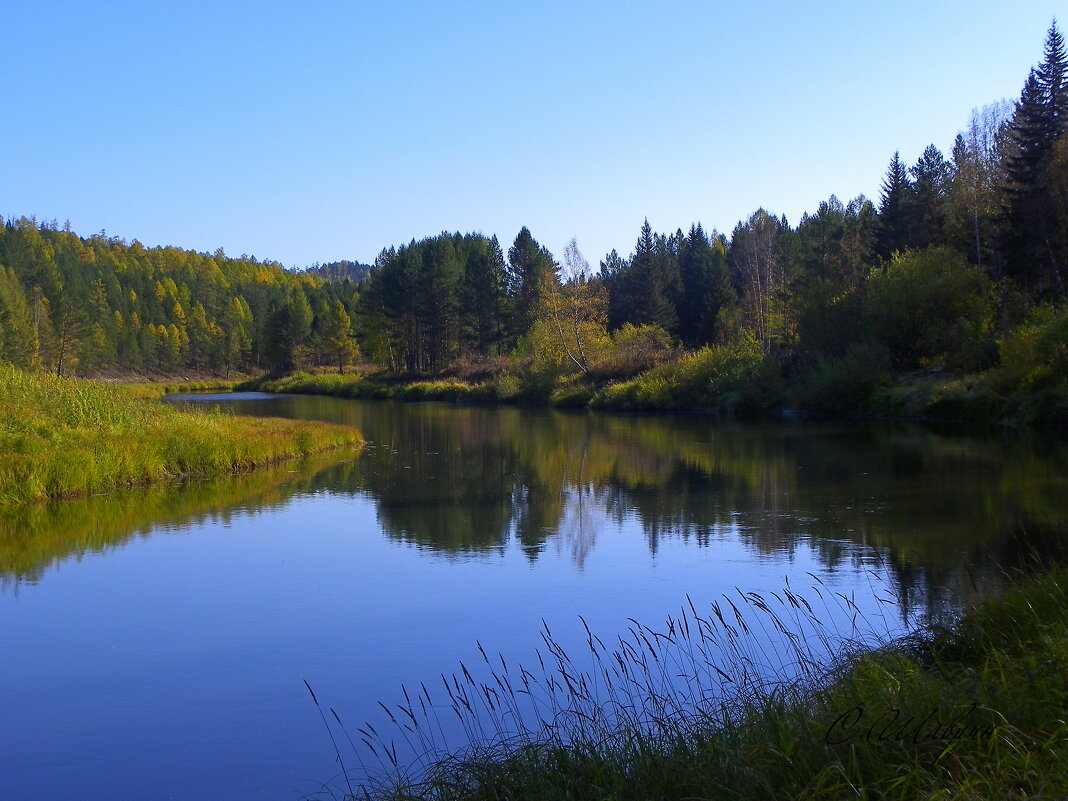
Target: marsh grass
{"points": [[151, 390], [61, 437], [347, 386], [707, 707]]}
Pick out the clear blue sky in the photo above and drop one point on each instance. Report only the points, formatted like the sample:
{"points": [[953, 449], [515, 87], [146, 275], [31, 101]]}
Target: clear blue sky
{"points": [[319, 131]]}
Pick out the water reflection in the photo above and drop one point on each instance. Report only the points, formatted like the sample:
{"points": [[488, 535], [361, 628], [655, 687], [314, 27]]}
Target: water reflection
{"points": [[457, 525], [946, 510], [35, 536], [458, 478]]}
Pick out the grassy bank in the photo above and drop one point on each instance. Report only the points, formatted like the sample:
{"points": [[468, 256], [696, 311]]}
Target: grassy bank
{"points": [[150, 390], [977, 710], [1020, 378], [718, 382], [62, 437]]}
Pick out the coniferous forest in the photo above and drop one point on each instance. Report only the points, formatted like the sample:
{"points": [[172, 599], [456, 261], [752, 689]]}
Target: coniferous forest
{"points": [[958, 269]]}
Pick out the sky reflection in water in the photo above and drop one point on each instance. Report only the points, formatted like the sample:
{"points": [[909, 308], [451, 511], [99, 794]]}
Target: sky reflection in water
{"points": [[156, 640]]}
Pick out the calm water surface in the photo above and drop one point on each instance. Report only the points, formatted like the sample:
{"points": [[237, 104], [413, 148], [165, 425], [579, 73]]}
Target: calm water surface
{"points": [[155, 642]]}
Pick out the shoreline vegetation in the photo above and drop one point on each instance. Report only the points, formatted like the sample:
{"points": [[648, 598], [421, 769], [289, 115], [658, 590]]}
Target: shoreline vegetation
{"points": [[973, 709], [725, 381], [65, 437]]}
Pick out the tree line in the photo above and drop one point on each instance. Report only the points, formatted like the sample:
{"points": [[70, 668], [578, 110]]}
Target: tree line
{"points": [[74, 305], [957, 250]]}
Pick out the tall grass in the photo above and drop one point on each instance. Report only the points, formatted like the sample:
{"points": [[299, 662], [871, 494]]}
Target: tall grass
{"points": [[708, 707], [738, 376], [62, 436], [151, 390]]}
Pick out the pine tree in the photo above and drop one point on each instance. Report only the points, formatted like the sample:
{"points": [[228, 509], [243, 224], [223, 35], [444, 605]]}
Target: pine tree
{"points": [[897, 210], [1034, 225], [336, 335], [529, 265], [930, 185], [706, 287], [650, 287]]}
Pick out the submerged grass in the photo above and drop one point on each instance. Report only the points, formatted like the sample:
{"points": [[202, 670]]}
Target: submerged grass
{"points": [[708, 708], [61, 437]]}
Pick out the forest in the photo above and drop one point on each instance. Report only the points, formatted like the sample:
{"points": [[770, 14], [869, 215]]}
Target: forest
{"points": [[957, 270]]}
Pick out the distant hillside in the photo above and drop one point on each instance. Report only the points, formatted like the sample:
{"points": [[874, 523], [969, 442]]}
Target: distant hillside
{"points": [[340, 270], [75, 305]]}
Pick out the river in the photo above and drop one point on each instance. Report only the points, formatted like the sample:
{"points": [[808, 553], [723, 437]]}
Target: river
{"points": [[156, 642]]}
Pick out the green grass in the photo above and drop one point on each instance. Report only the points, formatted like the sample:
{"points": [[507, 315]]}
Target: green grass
{"points": [[734, 377], [152, 389], [61, 437], [975, 710]]}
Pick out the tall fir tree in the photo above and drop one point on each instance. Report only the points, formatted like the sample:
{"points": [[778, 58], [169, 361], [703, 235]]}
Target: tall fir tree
{"points": [[897, 210], [529, 264], [930, 178], [1034, 226], [706, 287]]}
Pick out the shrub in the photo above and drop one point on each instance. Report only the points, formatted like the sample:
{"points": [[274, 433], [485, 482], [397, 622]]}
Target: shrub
{"points": [[932, 308], [729, 377], [634, 348], [560, 349], [575, 396], [507, 387], [1036, 353], [845, 384]]}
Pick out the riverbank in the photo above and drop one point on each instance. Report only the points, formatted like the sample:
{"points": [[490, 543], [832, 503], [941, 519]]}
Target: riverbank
{"points": [[63, 437], [977, 710], [708, 382], [151, 390]]}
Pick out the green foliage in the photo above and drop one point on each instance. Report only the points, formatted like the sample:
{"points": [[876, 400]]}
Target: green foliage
{"points": [[530, 265], [1036, 353], [336, 336], [931, 308], [507, 387], [557, 350], [971, 399], [634, 348], [737, 376], [758, 258], [843, 385], [897, 210], [706, 285], [61, 437], [69, 304], [1036, 237], [572, 396], [153, 391], [429, 303]]}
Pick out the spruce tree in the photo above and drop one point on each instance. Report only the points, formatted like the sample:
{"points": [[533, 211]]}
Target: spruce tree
{"points": [[529, 264], [930, 185], [654, 282], [897, 210], [1034, 225]]}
